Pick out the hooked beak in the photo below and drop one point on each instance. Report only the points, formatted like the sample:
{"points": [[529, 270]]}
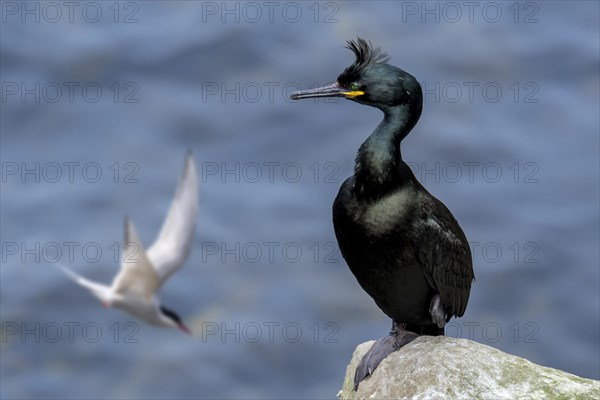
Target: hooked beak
{"points": [[333, 90], [184, 328]]}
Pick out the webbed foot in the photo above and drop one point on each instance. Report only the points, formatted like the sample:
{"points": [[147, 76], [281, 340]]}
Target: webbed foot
{"points": [[381, 349]]}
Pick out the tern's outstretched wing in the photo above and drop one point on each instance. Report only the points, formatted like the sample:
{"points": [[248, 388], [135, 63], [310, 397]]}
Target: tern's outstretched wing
{"points": [[137, 276], [174, 242], [100, 291]]}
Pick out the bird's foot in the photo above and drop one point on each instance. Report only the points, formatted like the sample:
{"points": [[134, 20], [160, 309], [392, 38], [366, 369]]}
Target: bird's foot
{"points": [[380, 350]]}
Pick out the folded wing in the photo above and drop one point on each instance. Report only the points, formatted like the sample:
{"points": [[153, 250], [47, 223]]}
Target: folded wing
{"points": [[445, 257]]}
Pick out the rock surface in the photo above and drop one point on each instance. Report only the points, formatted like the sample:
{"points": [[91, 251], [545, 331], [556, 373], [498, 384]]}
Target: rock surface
{"points": [[442, 367]]}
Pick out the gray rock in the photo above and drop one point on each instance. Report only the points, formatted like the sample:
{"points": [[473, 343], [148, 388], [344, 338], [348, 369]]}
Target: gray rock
{"points": [[442, 367]]}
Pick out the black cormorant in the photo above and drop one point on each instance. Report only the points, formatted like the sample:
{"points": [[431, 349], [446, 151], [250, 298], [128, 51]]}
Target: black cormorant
{"points": [[402, 244]]}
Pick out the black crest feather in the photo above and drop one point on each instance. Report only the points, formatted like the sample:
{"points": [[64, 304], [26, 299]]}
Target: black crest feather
{"points": [[365, 54]]}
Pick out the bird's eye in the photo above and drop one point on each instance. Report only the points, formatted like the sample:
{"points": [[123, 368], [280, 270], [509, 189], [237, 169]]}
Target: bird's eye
{"points": [[354, 86]]}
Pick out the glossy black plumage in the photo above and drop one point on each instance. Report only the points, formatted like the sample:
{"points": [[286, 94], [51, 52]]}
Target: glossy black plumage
{"points": [[402, 263], [403, 245]]}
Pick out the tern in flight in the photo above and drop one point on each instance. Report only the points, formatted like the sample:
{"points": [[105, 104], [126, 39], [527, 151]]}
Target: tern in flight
{"points": [[134, 289]]}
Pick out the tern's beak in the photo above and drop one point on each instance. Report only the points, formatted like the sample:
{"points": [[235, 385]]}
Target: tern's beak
{"points": [[333, 90], [184, 328]]}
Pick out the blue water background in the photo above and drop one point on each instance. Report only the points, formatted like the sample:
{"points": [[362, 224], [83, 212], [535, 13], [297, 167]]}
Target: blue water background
{"points": [[217, 83]]}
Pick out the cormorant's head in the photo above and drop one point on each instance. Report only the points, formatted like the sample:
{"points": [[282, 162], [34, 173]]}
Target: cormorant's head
{"points": [[172, 319], [370, 80]]}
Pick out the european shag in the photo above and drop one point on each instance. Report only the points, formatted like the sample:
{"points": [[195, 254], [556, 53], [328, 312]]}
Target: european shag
{"points": [[403, 245]]}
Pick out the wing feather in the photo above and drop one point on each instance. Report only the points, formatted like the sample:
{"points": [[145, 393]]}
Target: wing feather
{"points": [[137, 275], [100, 291], [445, 256], [174, 242]]}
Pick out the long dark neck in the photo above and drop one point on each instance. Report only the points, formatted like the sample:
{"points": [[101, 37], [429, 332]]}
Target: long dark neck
{"points": [[379, 165]]}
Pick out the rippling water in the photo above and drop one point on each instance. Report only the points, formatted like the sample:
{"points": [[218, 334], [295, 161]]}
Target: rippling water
{"points": [[508, 140]]}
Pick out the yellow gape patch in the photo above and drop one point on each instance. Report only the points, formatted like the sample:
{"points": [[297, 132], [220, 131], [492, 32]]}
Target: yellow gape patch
{"points": [[353, 93]]}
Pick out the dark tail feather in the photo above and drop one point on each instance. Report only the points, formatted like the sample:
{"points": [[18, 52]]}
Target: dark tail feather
{"points": [[430, 330]]}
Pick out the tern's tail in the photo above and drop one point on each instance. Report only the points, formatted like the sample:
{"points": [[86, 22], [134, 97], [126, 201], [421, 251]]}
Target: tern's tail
{"points": [[102, 292]]}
